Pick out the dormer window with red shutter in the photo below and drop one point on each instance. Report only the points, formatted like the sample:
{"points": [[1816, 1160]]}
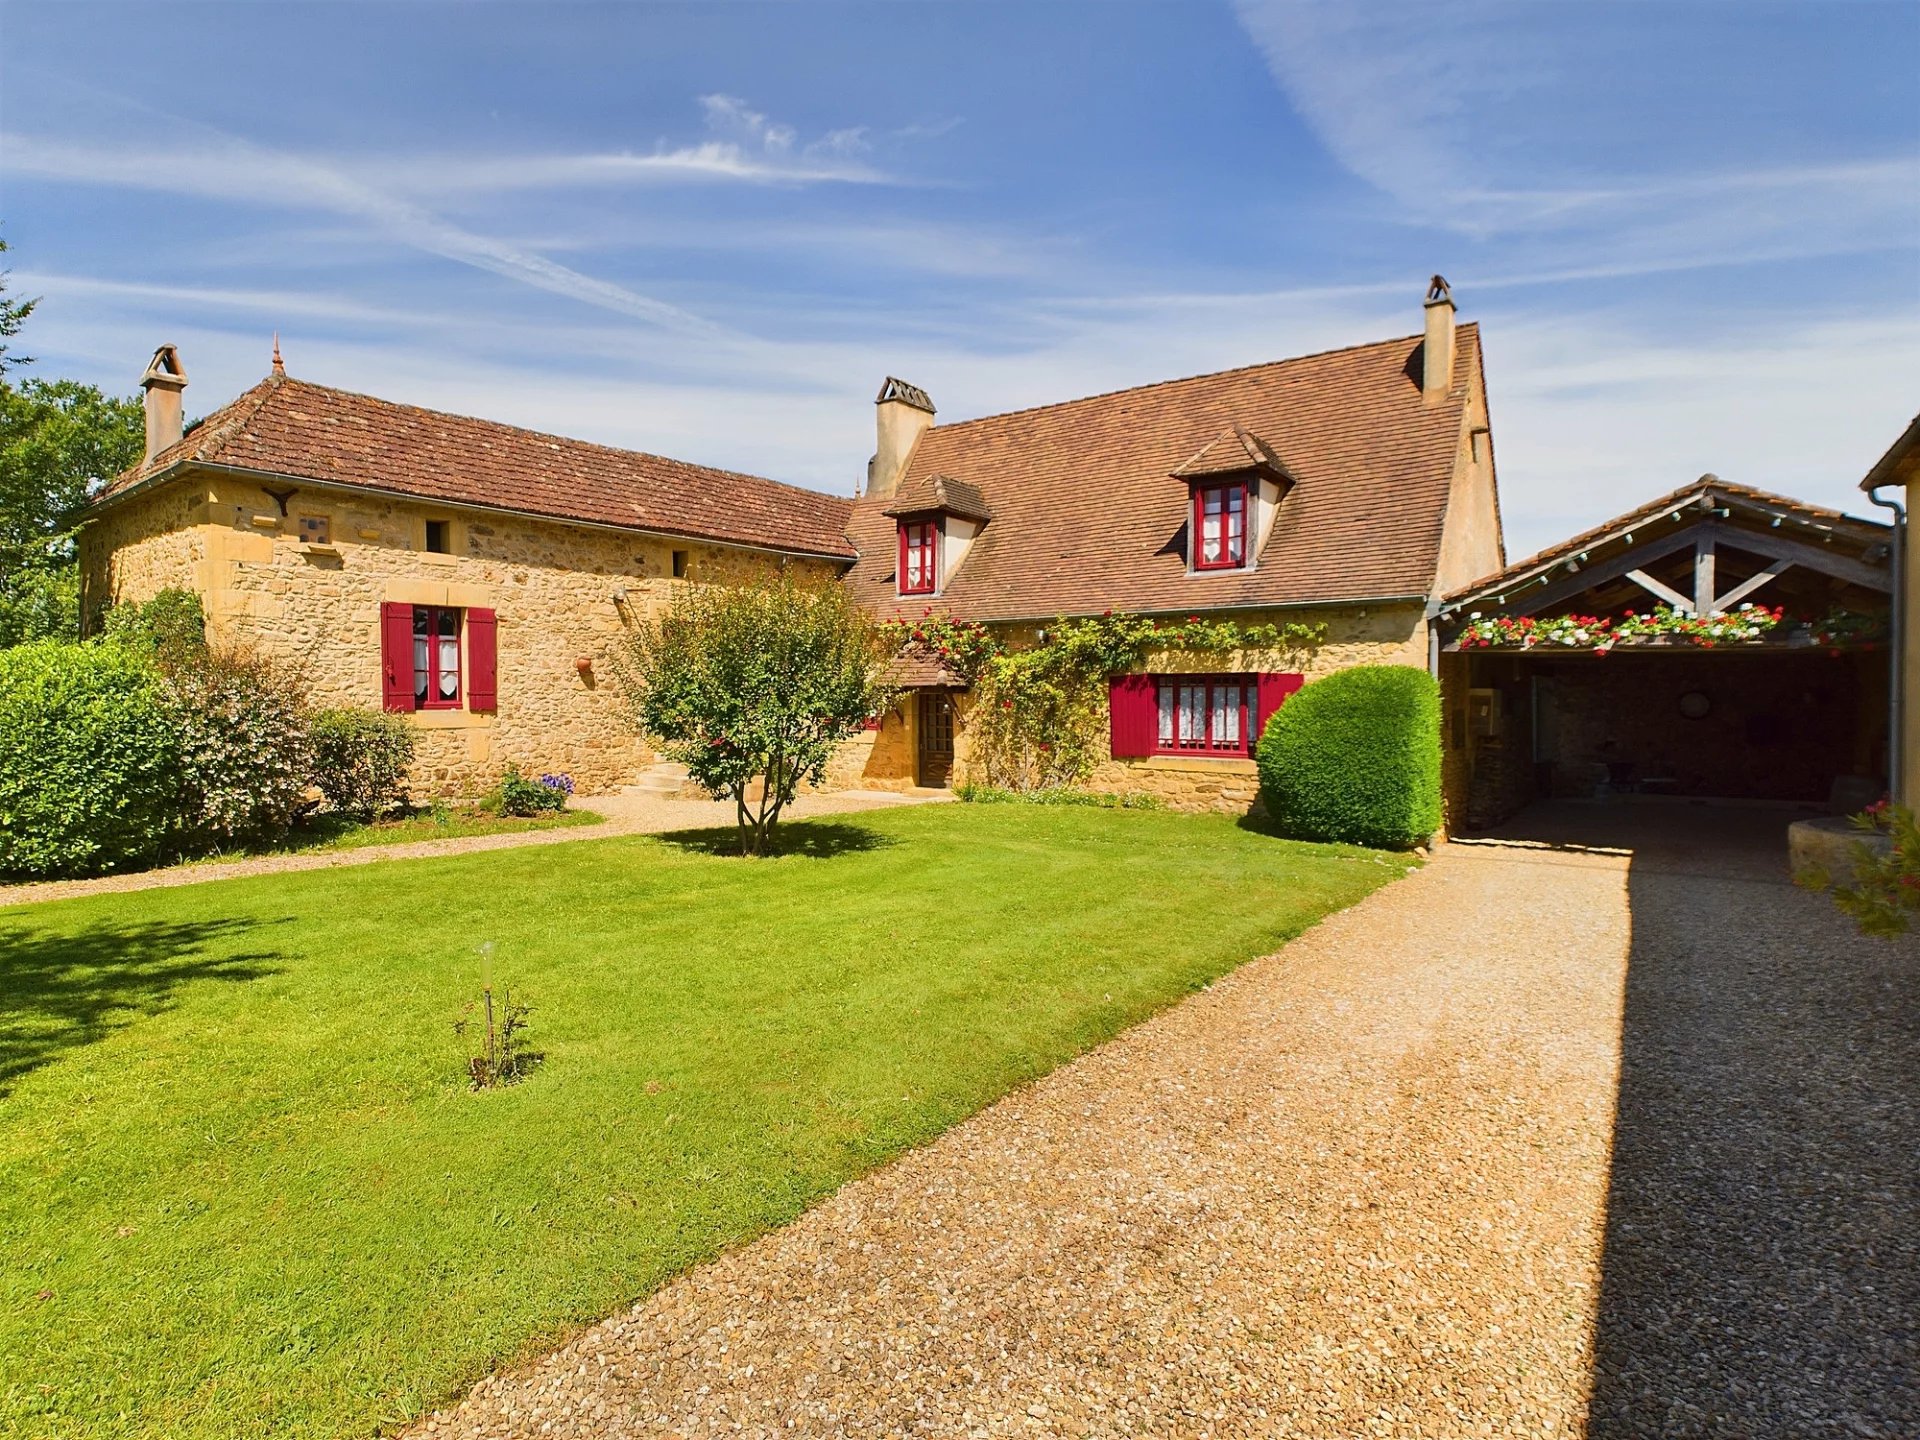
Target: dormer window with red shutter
{"points": [[1235, 484], [919, 557], [1219, 526], [939, 518]]}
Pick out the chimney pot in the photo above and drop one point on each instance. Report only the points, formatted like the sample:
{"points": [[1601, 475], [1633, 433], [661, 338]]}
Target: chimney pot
{"points": [[1437, 348], [902, 413], [166, 377]]}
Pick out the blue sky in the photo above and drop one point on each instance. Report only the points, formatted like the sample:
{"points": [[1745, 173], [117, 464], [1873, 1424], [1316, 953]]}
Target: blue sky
{"points": [[1691, 231]]}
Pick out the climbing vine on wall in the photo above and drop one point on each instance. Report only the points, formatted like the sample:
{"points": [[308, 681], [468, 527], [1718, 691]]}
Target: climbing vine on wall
{"points": [[1039, 719]]}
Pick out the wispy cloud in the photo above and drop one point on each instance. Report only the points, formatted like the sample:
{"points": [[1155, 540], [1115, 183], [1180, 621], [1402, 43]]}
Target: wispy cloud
{"points": [[1468, 116], [743, 146], [206, 163], [226, 168]]}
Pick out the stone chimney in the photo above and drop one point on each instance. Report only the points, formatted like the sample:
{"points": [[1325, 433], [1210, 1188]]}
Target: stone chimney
{"points": [[1437, 350], [902, 412], [163, 382]]}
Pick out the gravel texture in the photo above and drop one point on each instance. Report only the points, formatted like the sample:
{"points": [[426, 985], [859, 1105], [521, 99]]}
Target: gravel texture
{"points": [[1361, 1188], [624, 814]]}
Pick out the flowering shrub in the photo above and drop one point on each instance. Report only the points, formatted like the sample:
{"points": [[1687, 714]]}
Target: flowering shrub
{"points": [[1601, 634], [1885, 890], [562, 782], [518, 795], [361, 759], [245, 759], [1840, 628], [963, 646]]}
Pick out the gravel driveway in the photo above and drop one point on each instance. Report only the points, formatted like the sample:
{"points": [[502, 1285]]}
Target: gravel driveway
{"points": [[1372, 1185]]}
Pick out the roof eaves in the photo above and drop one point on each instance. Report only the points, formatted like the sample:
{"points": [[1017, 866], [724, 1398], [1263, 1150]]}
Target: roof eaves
{"points": [[846, 556], [1708, 491], [1901, 464]]}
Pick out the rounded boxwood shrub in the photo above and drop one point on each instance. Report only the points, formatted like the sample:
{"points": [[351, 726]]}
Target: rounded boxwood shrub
{"points": [[89, 759], [1356, 757]]}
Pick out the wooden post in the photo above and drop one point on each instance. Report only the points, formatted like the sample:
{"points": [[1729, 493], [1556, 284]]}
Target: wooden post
{"points": [[1703, 576]]}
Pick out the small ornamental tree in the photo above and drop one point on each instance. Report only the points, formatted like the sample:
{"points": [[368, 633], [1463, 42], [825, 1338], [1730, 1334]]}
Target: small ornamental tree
{"points": [[752, 687]]}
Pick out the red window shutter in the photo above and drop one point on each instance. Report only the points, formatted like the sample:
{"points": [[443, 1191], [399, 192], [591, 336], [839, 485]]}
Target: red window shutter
{"points": [[396, 657], [1134, 715], [1274, 690], [483, 664]]}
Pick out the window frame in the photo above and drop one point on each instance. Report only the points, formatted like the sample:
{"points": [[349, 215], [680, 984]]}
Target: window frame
{"points": [[929, 529], [1249, 708], [1229, 488], [446, 534], [433, 700]]}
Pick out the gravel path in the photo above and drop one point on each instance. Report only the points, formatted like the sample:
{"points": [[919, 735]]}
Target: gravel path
{"points": [[623, 814], [1362, 1188]]}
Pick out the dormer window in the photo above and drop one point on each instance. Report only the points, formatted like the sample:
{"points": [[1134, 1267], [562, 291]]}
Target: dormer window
{"points": [[1220, 526], [939, 518], [1235, 484], [919, 557]]}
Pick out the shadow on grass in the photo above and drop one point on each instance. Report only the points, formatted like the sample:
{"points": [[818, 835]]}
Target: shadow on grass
{"points": [[809, 839], [60, 992]]}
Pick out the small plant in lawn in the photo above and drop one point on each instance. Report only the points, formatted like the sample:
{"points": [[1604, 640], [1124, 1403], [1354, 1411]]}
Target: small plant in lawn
{"points": [[518, 795], [495, 1031]]}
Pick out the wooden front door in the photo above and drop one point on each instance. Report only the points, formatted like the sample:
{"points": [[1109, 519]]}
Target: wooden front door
{"points": [[934, 722]]}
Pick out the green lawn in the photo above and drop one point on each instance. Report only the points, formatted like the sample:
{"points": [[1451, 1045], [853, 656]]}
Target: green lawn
{"points": [[246, 1193], [330, 832]]}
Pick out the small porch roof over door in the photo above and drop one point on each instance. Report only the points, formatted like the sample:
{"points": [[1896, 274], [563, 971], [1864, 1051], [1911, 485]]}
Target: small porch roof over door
{"points": [[1703, 549]]}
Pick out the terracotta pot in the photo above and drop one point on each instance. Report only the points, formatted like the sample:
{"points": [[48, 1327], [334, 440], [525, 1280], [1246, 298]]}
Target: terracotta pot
{"points": [[584, 665]]}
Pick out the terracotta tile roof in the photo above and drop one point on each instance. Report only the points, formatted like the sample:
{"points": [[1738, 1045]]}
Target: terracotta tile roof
{"points": [[1901, 464], [1708, 490], [940, 492], [916, 668], [288, 427], [1086, 516], [1232, 452]]}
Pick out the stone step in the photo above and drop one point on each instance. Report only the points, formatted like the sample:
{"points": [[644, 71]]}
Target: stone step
{"points": [[665, 780]]}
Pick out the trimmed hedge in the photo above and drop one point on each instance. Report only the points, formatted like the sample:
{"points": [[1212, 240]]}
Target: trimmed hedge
{"points": [[89, 760], [1355, 757]]}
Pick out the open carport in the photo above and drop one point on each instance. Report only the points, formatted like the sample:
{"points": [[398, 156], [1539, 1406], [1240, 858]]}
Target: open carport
{"points": [[1719, 643]]}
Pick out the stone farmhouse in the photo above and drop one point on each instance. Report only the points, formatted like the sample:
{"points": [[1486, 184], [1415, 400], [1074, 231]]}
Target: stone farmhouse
{"points": [[479, 576]]}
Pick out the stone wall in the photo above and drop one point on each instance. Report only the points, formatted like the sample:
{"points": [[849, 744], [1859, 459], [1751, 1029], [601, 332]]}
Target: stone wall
{"points": [[1373, 635], [1780, 725], [140, 548], [562, 594]]}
